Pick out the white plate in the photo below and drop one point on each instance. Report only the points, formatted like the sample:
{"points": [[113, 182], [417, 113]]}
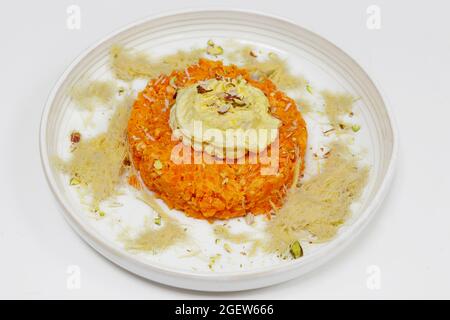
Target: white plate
{"points": [[316, 58]]}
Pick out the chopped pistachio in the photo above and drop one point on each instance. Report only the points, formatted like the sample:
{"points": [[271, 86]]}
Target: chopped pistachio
{"points": [[213, 49], [158, 220], [296, 250], [74, 181], [309, 89], [356, 127], [172, 81], [99, 212], [213, 260], [158, 165]]}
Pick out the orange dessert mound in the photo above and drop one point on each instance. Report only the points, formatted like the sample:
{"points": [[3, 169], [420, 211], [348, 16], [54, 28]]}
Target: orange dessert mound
{"points": [[212, 190]]}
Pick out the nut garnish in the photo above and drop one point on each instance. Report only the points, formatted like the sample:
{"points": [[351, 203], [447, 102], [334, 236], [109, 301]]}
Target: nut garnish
{"points": [[223, 109], [296, 250], [235, 99], [157, 165], [356, 128], [172, 82], [213, 49], [126, 162], [75, 137], [74, 181], [201, 89]]}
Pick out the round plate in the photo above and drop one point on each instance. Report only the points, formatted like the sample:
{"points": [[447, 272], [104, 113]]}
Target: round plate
{"points": [[314, 56]]}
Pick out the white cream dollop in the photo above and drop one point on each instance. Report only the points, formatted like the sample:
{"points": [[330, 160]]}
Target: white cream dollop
{"points": [[225, 118]]}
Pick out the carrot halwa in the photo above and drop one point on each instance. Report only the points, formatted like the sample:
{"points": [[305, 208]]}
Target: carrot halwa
{"points": [[207, 189]]}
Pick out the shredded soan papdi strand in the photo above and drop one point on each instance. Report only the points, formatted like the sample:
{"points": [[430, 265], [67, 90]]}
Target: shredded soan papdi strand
{"points": [[224, 233], [337, 105], [150, 200], [273, 67], [89, 94], [321, 204], [128, 64], [154, 238], [97, 163]]}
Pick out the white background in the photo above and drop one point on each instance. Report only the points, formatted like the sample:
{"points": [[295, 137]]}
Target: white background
{"points": [[409, 239]]}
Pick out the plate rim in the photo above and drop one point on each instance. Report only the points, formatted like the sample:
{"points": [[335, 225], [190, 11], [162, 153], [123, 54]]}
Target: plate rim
{"points": [[142, 267]]}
